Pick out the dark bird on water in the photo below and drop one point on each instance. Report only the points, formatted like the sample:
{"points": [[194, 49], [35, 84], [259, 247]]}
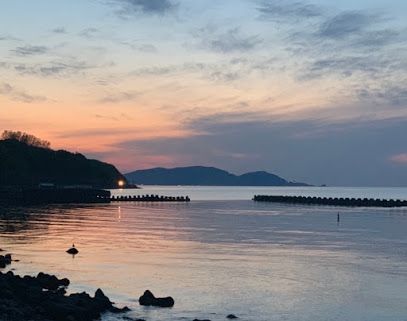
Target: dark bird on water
{"points": [[73, 250]]}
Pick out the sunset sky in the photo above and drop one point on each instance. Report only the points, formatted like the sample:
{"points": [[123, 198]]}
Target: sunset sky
{"points": [[312, 91]]}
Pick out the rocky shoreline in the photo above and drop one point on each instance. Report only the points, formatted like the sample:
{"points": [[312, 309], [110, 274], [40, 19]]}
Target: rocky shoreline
{"points": [[43, 298]]}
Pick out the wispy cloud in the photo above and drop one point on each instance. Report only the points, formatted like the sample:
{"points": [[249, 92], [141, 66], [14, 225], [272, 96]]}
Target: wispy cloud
{"points": [[345, 66], [119, 97], [346, 23], [90, 32], [19, 95], [8, 38], [279, 10], [29, 50], [394, 95], [53, 68], [160, 7], [59, 30], [229, 41]]}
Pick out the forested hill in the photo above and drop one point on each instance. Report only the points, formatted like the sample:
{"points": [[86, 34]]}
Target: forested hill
{"points": [[23, 164], [209, 176]]}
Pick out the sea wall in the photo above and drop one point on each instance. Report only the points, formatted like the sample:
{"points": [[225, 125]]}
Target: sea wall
{"points": [[351, 202], [150, 198]]}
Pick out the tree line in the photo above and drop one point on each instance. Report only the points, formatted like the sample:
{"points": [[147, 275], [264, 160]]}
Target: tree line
{"points": [[25, 138]]}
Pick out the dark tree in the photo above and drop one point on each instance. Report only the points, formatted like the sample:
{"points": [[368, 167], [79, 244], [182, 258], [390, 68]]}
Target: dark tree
{"points": [[25, 138]]}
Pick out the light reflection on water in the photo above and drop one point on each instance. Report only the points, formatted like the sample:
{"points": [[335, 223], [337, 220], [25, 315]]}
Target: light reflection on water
{"points": [[258, 261]]}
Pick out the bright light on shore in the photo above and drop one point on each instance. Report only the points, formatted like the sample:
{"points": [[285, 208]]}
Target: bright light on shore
{"points": [[121, 183]]}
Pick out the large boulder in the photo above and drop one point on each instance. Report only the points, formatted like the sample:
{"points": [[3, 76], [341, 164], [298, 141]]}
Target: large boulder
{"points": [[148, 299]]}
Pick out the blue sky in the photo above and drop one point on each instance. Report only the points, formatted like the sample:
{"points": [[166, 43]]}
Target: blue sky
{"points": [[314, 91]]}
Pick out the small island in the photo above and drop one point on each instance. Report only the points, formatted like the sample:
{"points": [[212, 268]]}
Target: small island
{"points": [[205, 176]]}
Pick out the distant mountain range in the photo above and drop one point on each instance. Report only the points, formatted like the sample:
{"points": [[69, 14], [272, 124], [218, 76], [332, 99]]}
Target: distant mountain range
{"points": [[205, 176]]}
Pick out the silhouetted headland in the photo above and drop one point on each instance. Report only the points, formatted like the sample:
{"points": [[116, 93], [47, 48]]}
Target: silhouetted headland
{"points": [[205, 176], [28, 162], [349, 202], [32, 173]]}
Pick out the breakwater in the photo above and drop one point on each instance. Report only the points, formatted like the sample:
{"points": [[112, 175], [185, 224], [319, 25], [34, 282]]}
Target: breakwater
{"points": [[150, 198], [349, 202]]}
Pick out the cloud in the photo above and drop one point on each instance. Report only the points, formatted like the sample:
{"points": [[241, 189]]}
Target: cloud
{"points": [[95, 132], [230, 41], [393, 95], [378, 38], [19, 95], [119, 97], [8, 38], [159, 7], [89, 32], [59, 30], [345, 24], [188, 67], [144, 47], [345, 66], [29, 50], [283, 10], [155, 71], [399, 159], [225, 76], [347, 154], [223, 72], [52, 69]]}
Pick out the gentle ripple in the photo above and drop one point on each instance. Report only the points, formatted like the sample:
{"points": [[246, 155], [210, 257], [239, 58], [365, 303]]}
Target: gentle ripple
{"points": [[262, 262]]}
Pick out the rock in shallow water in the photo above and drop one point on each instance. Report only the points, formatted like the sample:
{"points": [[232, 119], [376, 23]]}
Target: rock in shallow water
{"points": [[231, 317], [5, 260], [43, 298], [148, 299], [73, 251]]}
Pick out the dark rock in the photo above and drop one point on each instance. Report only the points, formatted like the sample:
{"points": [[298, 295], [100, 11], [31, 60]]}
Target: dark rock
{"points": [[231, 317], [51, 282], [72, 251], [5, 260], [2, 262], [7, 257], [43, 298], [148, 299], [202, 320]]}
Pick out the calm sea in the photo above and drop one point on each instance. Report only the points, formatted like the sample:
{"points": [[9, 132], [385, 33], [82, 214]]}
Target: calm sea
{"points": [[223, 253]]}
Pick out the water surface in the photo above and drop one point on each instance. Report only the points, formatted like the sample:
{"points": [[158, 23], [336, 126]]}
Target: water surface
{"points": [[259, 261]]}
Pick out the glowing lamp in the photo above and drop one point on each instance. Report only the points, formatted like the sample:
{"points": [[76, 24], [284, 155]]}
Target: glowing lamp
{"points": [[121, 183]]}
